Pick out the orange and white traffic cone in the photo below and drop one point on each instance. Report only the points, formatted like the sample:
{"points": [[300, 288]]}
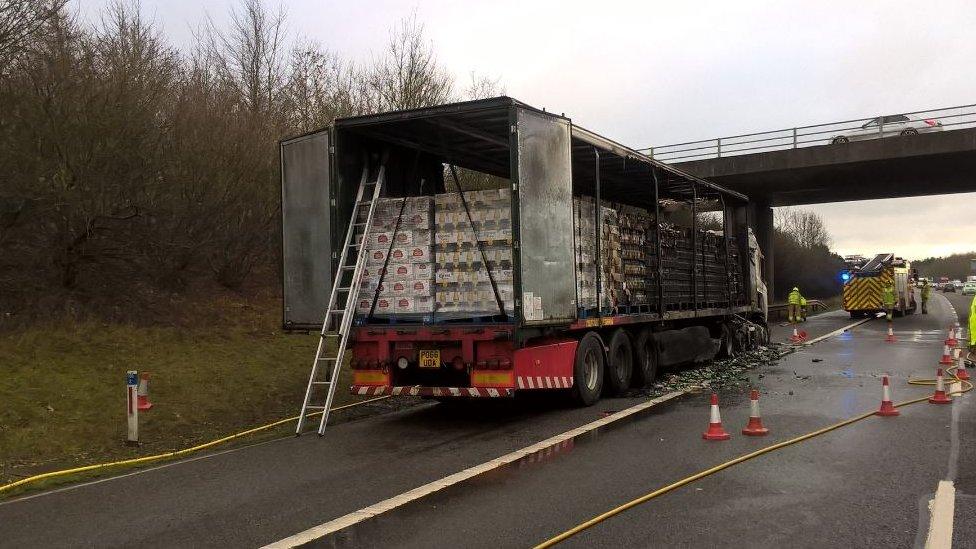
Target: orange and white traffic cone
{"points": [[887, 408], [946, 356], [715, 430], [961, 373], [951, 340], [940, 396], [143, 392], [891, 335], [799, 336], [755, 427]]}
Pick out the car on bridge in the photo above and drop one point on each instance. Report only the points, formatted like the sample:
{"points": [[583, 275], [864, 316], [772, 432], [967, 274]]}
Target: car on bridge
{"points": [[949, 287], [969, 288], [888, 126]]}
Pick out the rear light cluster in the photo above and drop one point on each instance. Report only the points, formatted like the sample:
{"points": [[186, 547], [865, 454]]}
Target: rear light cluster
{"points": [[495, 364], [933, 122]]}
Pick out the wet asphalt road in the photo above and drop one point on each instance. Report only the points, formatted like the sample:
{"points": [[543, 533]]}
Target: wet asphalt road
{"points": [[865, 485], [868, 483]]}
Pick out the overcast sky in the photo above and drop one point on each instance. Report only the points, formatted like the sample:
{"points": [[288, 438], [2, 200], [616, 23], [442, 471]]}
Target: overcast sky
{"points": [[653, 73]]}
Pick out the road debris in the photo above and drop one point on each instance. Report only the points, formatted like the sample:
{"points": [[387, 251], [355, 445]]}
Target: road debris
{"points": [[715, 374]]}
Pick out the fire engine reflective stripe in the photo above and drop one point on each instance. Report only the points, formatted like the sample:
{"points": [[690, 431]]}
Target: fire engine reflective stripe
{"points": [[538, 382], [521, 384], [531, 385]]}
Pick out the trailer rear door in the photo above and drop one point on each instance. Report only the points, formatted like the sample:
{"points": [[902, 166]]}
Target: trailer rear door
{"points": [[306, 229], [545, 219]]}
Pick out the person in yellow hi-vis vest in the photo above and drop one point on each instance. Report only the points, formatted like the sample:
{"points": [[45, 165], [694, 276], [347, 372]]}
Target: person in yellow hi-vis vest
{"points": [[926, 290], [888, 296], [793, 309], [803, 309], [972, 330]]}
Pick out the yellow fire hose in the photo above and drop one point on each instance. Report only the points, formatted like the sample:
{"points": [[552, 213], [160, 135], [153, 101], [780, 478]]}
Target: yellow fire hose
{"points": [[168, 455], [966, 387]]}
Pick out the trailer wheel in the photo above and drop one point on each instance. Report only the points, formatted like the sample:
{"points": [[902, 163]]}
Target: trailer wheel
{"points": [[588, 370], [645, 359], [620, 364]]}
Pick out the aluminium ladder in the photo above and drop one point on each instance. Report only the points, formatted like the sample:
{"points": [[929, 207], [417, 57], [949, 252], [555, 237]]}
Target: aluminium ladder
{"points": [[342, 301]]}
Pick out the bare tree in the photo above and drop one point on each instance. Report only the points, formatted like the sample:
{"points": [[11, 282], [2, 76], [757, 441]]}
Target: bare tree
{"points": [[249, 55], [806, 227], [482, 87], [320, 87], [407, 75], [19, 20]]}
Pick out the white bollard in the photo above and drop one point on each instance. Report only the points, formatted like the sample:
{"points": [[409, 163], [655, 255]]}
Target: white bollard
{"points": [[131, 406]]}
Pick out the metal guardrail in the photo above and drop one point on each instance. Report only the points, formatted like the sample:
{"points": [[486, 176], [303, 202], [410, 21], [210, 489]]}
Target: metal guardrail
{"points": [[949, 118]]}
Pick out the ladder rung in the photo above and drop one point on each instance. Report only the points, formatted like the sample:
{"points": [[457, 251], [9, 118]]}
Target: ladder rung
{"points": [[348, 267], [338, 311], [364, 203], [343, 289], [315, 407], [321, 383], [327, 358]]}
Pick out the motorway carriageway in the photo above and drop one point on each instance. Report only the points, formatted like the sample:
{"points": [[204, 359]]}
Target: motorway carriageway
{"points": [[867, 483]]}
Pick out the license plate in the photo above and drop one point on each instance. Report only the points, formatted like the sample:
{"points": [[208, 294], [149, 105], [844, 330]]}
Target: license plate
{"points": [[430, 359]]}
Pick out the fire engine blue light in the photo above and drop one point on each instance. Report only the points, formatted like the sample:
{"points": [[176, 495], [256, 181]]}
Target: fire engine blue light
{"points": [[845, 276]]}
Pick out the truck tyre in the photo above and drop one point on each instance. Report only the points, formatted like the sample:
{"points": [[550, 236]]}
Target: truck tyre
{"points": [[588, 370], [620, 364], [645, 359]]}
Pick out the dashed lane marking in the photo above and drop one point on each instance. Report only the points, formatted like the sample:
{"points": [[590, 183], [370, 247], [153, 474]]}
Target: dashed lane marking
{"points": [[942, 507]]}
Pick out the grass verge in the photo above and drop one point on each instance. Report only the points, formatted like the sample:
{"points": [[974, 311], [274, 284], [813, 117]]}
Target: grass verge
{"points": [[63, 383]]}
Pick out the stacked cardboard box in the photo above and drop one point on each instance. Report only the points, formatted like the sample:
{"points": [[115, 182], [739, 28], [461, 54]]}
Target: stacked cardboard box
{"points": [[612, 280], [635, 223], [399, 237], [461, 267]]}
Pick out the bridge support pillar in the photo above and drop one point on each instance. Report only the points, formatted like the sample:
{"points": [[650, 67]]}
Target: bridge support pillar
{"points": [[763, 225]]}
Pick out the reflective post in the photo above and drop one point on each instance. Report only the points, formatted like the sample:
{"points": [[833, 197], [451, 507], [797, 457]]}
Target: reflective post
{"points": [[131, 406]]}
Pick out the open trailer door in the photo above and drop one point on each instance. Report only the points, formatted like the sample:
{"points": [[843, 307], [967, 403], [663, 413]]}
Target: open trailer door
{"points": [[544, 229], [306, 229]]}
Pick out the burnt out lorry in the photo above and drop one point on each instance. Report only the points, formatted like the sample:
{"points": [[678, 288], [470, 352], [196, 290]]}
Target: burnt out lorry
{"points": [[488, 248]]}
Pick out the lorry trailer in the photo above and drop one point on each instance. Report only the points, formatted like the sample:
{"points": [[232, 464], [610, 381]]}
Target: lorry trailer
{"points": [[497, 248]]}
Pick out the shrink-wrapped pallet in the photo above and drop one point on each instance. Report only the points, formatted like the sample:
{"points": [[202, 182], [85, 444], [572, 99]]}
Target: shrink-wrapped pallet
{"points": [[397, 278], [471, 249]]}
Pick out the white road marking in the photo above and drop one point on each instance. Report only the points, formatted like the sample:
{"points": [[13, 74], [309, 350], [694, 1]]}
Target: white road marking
{"points": [[347, 520], [841, 330], [942, 507]]}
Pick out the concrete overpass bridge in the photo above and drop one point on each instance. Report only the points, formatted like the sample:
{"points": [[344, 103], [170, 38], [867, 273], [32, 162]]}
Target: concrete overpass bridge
{"points": [[933, 152]]}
